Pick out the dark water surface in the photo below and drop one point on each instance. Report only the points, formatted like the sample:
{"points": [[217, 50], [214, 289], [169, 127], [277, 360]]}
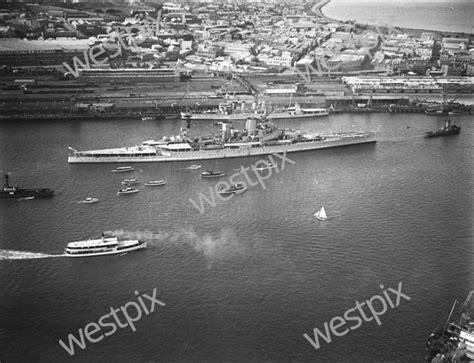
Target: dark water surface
{"points": [[244, 280]]}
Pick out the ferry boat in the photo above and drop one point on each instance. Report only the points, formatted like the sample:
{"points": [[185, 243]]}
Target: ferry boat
{"points": [[262, 138], [106, 245], [13, 192], [224, 113]]}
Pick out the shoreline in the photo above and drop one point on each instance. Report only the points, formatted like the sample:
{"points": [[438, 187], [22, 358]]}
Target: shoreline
{"points": [[317, 9]]}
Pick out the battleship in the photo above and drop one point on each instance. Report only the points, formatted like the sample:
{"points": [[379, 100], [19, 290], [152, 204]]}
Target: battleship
{"points": [[260, 137]]}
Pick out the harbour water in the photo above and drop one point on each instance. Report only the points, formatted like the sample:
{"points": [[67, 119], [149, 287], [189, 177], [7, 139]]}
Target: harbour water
{"points": [[450, 15], [244, 280]]}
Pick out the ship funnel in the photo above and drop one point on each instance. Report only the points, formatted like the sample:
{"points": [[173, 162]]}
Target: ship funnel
{"points": [[250, 125], [225, 129]]}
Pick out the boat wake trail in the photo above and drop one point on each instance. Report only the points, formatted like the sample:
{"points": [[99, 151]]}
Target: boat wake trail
{"points": [[24, 255], [219, 245]]}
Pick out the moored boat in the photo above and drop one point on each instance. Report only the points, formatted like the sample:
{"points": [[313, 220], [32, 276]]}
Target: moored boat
{"points": [[154, 183], [106, 245], [127, 190], [13, 192], [238, 188], [227, 113], [436, 112], [211, 174]]}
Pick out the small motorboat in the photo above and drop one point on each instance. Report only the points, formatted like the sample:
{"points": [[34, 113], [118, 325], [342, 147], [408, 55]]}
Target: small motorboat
{"points": [[233, 189], [155, 183], [211, 174], [127, 190], [194, 167], [268, 165], [89, 200], [122, 169], [130, 182]]}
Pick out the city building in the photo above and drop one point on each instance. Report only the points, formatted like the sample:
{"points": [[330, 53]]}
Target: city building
{"points": [[130, 74], [360, 85], [19, 52]]}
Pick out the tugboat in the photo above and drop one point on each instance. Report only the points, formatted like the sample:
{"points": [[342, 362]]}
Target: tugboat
{"points": [[12, 191], [448, 129]]}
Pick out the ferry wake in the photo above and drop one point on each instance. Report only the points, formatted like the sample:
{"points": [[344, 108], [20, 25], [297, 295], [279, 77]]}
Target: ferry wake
{"points": [[260, 137]]}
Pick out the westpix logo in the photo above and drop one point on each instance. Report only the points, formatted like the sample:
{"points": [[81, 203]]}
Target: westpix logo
{"points": [[377, 305], [131, 311]]}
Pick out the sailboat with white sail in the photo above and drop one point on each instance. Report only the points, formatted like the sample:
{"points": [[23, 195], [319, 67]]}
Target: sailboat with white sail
{"points": [[321, 214]]}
